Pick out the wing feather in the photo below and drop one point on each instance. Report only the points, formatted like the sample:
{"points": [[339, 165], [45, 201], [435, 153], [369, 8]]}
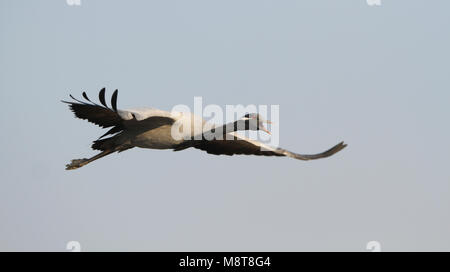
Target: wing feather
{"points": [[106, 117], [114, 100], [101, 97], [241, 145]]}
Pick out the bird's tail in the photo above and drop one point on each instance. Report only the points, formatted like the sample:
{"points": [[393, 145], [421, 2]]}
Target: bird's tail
{"points": [[118, 142], [104, 144]]}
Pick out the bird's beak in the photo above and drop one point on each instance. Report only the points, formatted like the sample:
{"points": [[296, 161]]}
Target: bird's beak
{"points": [[265, 129]]}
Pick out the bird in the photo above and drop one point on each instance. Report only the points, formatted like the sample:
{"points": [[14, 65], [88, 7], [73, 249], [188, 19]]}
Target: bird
{"points": [[158, 129]]}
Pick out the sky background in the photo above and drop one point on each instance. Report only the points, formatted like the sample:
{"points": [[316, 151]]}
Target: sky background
{"points": [[375, 77]]}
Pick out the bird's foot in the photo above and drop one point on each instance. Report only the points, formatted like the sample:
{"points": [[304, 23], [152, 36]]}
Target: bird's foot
{"points": [[74, 164]]}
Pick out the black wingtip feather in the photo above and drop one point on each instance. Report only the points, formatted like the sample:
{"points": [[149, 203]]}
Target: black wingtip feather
{"points": [[114, 100], [85, 96], [101, 97], [71, 96]]}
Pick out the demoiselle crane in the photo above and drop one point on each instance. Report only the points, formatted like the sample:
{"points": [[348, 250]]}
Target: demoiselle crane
{"points": [[154, 129]]}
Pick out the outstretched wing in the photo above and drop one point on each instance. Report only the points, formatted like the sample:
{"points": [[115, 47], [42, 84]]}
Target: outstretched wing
{"points": [[100, 115], [106, 117], [245, 146]]}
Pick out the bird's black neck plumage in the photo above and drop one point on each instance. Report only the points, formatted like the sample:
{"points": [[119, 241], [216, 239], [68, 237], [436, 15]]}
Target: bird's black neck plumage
{"points": [[238, 125]]}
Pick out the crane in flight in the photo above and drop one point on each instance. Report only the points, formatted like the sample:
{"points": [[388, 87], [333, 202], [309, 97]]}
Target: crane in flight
{"points": [[153, 128]]}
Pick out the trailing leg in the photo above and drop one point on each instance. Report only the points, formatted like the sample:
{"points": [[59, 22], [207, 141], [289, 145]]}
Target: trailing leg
{"points": [[77, 163]]}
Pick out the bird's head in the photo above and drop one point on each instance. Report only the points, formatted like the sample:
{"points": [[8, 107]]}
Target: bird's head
{"points": [[254, 121]]}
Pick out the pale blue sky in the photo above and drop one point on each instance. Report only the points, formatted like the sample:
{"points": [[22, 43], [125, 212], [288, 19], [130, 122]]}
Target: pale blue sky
{"points": [[375, 77]]}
